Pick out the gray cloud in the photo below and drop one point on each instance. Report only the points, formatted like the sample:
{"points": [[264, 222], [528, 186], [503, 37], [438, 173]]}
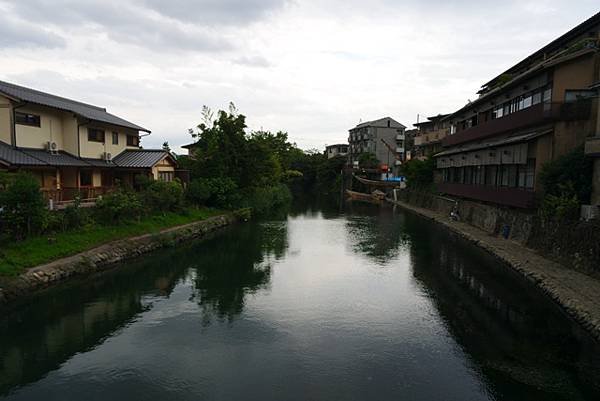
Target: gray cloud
{"points": [[252, 61], [216, 12], [18, 34], [134, 23]]}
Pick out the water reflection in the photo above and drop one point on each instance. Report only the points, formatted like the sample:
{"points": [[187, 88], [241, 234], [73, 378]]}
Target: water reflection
{"points": [[376, 232], [80, 316], [239, 263], [520, 342]]}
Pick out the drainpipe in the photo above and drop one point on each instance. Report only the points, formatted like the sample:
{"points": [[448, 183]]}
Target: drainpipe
{"points": [[14, 122]]}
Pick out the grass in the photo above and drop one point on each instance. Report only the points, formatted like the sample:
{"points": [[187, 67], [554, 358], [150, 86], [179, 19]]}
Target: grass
{"points": [[17, 256]]}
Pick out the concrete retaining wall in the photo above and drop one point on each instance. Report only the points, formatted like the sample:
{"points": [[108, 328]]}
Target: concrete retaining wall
{"points": [[104, 257]]}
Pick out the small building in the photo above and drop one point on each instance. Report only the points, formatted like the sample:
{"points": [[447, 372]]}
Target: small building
{"points": [[340, 149], [384, 138], [536, 111], [429, 136], [73, 148]]}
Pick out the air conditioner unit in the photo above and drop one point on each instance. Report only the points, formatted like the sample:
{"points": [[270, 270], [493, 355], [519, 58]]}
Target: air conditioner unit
{"points": [[52, 147], [106, 156]]}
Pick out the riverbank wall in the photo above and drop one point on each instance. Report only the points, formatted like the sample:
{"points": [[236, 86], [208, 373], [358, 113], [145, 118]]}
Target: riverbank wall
{"points": [[104, 257], [576, 293], [574, 244]]}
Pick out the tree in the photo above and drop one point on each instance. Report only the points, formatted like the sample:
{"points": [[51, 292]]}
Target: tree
{"points": [[22, 207]]}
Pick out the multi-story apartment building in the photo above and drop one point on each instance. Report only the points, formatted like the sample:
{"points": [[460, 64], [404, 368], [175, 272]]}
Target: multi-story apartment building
{"points": [[534, 112], [384, 138], [73, 148], [340, 149], [429, 136]]}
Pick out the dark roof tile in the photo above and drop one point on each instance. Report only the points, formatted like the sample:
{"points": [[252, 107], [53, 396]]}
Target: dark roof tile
{"points": [[85, 110], [142, 158]]}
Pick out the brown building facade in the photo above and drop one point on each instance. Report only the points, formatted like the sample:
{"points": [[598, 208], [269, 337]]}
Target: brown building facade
{"points": [[536, 111]]}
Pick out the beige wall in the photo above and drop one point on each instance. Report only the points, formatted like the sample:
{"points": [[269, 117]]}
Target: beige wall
{"points": [[5, 120], [50, 129], [95, 150]]}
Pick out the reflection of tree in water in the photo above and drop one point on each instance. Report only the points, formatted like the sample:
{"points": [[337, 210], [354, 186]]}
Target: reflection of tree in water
{"points": [[523, 346], [77, 317], [234, 264], [376, 232]]}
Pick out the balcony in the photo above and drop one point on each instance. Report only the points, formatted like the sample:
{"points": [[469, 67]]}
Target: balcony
{"points": [[430, 137], [499, 195], [65, 196], [535, 115]]}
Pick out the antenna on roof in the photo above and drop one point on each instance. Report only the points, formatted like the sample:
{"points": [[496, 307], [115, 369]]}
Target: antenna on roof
{"points": [[418, 118]]}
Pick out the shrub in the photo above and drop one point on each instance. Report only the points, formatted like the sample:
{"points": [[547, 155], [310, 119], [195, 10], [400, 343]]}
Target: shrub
{"points": [[562, 207], [574, 170], [419, 173], [22, 207], [160, 196], [74, 216], [265, 200], [215, 192], [118, 207]]}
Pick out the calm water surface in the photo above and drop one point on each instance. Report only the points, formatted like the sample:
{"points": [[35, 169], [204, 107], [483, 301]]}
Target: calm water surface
{"points": [[372, 304]]}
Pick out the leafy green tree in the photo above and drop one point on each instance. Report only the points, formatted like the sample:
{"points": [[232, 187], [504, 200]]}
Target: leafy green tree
{"points": [[419, 173], [368, 160], [569, 175], [22, 207]]}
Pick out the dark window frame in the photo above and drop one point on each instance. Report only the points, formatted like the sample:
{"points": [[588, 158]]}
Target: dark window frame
{"points": [[96, 135], [115, 138], [29, 119], [133, 140]]}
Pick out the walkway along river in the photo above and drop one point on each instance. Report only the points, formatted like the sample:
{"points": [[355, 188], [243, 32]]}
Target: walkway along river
{"points": [[369, 304]]}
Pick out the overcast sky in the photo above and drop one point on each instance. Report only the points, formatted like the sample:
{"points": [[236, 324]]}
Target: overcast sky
{"points": [[313, 68]]}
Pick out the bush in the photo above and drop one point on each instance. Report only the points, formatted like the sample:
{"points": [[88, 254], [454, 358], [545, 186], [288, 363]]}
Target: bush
{"points": [[160, 196], [22, 207], [419, 173], [562, 207], [573, 170], [221, 193], [265, 200], [118, 207]]}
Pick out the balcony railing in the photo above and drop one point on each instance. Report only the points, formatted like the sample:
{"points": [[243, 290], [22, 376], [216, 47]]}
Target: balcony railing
{"points": [[68, 194], [499, 195], [531, 116]]}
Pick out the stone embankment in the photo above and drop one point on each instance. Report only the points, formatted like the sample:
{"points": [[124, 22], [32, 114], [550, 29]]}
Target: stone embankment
{"points": [[104, 257], [576, 293]]}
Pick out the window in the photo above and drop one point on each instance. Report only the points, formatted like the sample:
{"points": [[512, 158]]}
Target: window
{"points": [[85, 178], [537, 98], [27, 119], [115, 138], [526, 175], [491, 175], [575, 95], [133, 140], [166, 176], [95, 135], [547, 95]]}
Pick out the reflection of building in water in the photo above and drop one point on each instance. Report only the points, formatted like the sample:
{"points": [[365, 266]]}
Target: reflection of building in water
{"points": [[514, 333], [70, 320]]}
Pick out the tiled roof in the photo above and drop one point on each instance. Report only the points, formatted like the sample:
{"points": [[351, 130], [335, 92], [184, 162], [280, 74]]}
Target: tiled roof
{"points": [[99, 162], [59, 159], [493, 143], [10, 155], [84, 110], [142, 158]]}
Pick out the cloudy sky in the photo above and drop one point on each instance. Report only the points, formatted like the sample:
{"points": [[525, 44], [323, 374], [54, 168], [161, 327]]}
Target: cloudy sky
{"points": [[313, 68]]}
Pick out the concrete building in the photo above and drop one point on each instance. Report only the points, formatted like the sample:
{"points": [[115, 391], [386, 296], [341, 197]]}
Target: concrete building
{"points": [[73, 148], [429, 136], [369, 137], [536, 111], [340, 149]]}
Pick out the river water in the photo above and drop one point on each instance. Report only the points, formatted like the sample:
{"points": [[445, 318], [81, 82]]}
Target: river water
{"points": [[370, 304]]}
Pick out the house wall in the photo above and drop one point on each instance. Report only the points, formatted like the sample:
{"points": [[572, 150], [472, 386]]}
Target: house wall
{"points": [[95, 150], [5, 120], [50, 129], [164, 165], [574, 74]]}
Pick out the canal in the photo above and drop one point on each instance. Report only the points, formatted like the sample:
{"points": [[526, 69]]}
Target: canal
{"points": [[369, 304]]}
